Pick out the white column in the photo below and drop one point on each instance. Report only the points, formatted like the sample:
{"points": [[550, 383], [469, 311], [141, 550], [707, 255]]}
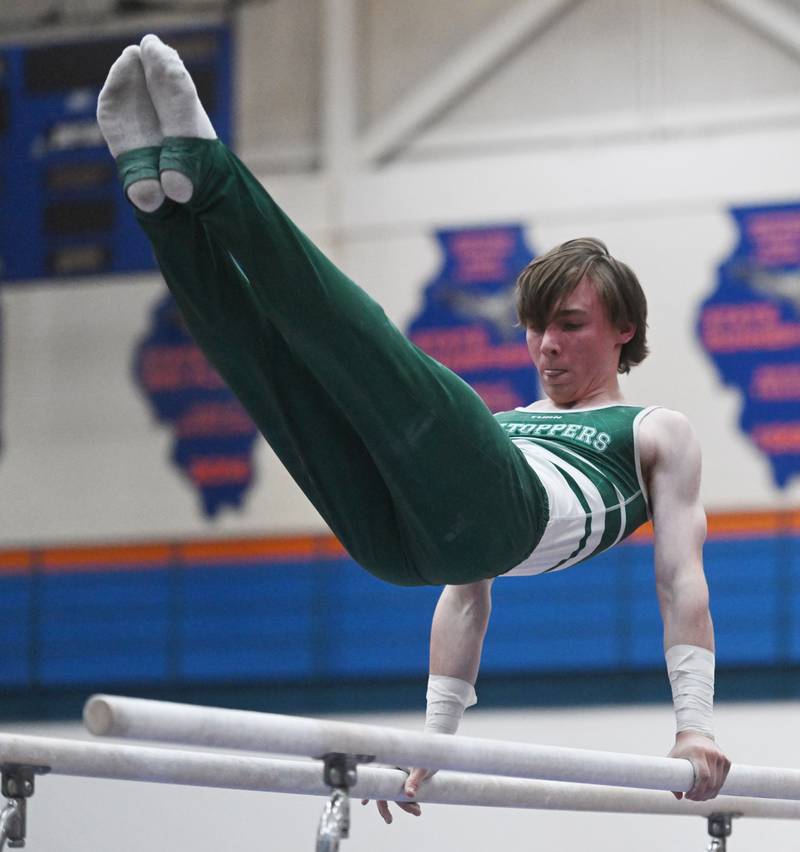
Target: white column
{"points": [[339, 104], [339, 112]]}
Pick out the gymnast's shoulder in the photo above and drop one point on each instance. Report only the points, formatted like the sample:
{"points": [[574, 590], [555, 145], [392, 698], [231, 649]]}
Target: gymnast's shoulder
{"points": [[666, 439]]}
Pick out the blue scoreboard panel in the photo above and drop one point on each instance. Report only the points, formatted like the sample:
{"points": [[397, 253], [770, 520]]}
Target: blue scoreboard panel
{"points": [[61, 211]]}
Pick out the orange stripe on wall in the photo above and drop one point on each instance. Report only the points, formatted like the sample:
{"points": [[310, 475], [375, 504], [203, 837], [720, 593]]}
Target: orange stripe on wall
{"points": [[299, 548], [101, 557], [642, 535], [155, 555], [737, 524], [162, 555], [723, 525], [15, 561]]}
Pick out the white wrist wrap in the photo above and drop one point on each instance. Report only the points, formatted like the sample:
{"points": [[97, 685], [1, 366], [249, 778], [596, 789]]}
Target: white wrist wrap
{"points": [[691, 676], [448, 698]]}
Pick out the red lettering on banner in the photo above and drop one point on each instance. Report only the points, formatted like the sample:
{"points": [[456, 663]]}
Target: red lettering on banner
{"points": [[776, 382], [219, 470], [498, 396], [746, 327], [214, 419], [170, 368], [777, 438], [465, 350], [481, 255], [776, 237]]}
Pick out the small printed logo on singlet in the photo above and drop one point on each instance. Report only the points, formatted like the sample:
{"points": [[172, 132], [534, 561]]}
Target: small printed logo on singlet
{"points": [[576, 431]]}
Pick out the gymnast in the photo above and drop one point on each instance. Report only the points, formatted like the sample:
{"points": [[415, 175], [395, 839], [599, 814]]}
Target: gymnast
{"points": [[413, 474]]}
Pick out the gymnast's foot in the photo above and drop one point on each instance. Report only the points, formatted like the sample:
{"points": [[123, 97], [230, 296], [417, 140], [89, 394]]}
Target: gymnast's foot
{"points": [[179, 110], [128, 121]]}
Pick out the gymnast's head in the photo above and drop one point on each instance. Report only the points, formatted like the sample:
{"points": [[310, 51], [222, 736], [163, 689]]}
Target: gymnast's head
{"points": [[567, 274]]}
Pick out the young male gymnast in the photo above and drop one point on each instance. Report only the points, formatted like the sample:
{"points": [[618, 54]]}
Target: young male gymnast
{"points": [[402, 459]]}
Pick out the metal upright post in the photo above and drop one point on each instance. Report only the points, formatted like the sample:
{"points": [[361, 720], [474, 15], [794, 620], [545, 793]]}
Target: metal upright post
{"points": [[17, 787], [719, 829], [340, 775]]}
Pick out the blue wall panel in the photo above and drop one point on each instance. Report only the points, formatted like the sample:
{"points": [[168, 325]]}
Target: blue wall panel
{"points": [[17, 627], [326, 619], [246, 622], [743, 579], [374, 628], [103, 626]]}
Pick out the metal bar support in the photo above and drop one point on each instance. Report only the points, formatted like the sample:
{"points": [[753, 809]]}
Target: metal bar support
{"points": [[16, 785], [340, 775], [719, 829]]}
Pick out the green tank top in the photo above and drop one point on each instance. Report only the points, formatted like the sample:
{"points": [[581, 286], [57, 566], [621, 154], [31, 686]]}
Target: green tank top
{"points": [[588, 462]]}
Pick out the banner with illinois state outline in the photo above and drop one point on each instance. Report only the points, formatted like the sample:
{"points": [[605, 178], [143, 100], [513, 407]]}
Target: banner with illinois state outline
{"points": [[750, 328], [468, 319], [213, 436]]}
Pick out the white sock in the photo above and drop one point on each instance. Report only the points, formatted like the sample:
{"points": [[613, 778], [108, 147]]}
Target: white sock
{"points": [[180, 112], [128, 120], [146, 194], [176, 185]]}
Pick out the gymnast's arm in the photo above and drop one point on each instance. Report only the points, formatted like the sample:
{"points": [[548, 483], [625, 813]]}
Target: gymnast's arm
{"points": [[459, 626], [457, 633], [671, 458]]}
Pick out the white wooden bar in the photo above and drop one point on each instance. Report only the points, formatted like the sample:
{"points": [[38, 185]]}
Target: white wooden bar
{"points": [[239, 772], [270, 733]]}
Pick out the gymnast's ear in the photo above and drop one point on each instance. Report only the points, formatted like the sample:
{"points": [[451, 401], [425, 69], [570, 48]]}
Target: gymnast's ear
{"points": [[626, 332]]}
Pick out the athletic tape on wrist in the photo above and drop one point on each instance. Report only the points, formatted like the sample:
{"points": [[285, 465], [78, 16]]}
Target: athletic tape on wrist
{"points": [[691, 676], [448, 698]]}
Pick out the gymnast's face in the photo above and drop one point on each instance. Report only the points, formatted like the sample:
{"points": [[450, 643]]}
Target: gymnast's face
{"points": [[576, 353]]}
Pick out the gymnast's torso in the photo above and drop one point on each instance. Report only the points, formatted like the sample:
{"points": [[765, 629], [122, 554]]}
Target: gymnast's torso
{"points": [[589, 463]]}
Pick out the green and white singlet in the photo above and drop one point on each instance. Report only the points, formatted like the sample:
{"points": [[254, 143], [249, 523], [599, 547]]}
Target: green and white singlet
{"points": [[588, 462]]}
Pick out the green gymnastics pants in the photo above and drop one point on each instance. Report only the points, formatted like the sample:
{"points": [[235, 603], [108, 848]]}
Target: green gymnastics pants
{"points": [[400, 457]]}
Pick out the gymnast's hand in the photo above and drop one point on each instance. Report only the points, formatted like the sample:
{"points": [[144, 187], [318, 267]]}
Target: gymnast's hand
{"points": [[412, 785], [710, 764]]}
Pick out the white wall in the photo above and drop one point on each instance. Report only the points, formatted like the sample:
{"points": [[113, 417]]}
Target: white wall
{"points": [[623, 153], [84, 459], [74, 815]]}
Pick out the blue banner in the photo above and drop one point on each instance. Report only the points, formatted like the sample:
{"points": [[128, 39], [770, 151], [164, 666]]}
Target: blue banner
{"points": [[213, 435], [468, 320], [750, 328]]}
